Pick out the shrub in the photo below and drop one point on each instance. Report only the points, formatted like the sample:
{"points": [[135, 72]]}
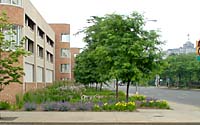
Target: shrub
{"points": [[19, 102], [30, 106], [96, 108], [123, 106], [63, 106], [120, 106], [161, 104], [52, 106], [56, 106], [84, 106], [4, 105], [137, 97]]}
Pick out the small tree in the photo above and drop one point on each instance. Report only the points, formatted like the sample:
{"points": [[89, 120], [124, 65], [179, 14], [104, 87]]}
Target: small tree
{"points": [[122, 48], [10, 52]]}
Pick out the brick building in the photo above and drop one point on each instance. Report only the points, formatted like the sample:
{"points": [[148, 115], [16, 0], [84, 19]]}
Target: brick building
{"points": [[51, 56]]}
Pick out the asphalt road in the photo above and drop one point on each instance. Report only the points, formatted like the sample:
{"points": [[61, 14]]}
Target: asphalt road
{"points": [[191, 97]]}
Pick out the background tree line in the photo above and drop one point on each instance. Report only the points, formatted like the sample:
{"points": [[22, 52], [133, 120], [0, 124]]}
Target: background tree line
{"points": [[183, 70]]}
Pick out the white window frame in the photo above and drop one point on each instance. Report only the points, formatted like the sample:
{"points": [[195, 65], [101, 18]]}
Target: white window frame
{"points": [[65, 68], [29, 73], [65, 53], [65, 37], [12, 2]]}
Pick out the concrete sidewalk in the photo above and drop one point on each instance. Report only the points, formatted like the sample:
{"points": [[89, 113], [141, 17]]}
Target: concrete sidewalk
{"points": [[180, 114]]}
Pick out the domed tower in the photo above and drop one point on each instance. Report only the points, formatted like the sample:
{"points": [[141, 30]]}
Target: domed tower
{"points": [[188, 47]]}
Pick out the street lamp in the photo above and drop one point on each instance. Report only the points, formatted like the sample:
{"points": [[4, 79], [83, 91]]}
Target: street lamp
{"points": [[152, 20]]}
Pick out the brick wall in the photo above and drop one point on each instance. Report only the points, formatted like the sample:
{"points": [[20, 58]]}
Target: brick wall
{"points": [[15, 14], [58, 29], [73, 52]]}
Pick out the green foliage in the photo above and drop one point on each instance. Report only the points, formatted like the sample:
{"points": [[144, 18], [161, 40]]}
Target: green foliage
{"points": [[161, 104], [4, 106], [118, 47], [59, 91], [137, 97], [181, 70], [30, 106], [56, 98], [120, 106], [10, 52], [96, 108], [19, 102]]}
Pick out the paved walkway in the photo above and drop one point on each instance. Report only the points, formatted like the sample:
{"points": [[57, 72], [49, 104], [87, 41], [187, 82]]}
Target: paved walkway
{"points": [[180, 113]]}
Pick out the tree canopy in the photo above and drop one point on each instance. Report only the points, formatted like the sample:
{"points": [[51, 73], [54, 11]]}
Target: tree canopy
{"points": [[182, 69], [119, 48]]}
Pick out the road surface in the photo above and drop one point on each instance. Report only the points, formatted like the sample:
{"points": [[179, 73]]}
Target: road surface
{"points": [[190, 97]]}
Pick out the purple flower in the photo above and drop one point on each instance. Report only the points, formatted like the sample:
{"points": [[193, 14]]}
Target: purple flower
{"points": [[30, 106]]}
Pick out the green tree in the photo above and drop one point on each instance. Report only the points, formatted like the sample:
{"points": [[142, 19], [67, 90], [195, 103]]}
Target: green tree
{"points": [[182, 69], [10, 52], [123, 49]]}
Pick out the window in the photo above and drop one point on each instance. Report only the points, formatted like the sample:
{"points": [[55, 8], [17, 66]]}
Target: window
{"points": [[14, 35], [5, 1], [49, 57], [50, 42], [40, 33], [15, 2], [40, 51], [12, 2], [29, 23], [29, 45], [65, 68], [40, 74], [64, 78], [65, 37], [29, 75], [49, 76], [65, 52], [75, 55]]}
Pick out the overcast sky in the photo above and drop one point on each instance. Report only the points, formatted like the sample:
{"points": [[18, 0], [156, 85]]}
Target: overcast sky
{"points": [[175, 18]]}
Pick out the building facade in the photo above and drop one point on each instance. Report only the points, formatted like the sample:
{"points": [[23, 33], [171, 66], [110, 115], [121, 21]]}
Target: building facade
{"points": [[62, 51], [188, 47], [49, 46]]}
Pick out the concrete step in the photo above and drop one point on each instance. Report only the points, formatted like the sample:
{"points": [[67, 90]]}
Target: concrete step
{"points": [[100, 123]]}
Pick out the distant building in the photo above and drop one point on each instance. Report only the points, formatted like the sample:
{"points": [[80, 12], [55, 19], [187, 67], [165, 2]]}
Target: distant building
{"points": [[188, 47]]}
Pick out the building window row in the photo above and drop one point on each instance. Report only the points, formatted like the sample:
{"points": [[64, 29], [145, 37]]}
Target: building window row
{"points": [[65, 37], [29, 74], [65, 53], [65, 68], [12, 2]]}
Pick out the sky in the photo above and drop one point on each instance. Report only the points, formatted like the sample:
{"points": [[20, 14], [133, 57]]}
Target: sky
{"points": [[175, 18]]}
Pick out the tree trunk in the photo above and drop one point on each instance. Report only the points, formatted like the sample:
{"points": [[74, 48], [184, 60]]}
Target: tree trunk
{"points": [[101, 84], [127, 91], [117, 91], [96, 86]]}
